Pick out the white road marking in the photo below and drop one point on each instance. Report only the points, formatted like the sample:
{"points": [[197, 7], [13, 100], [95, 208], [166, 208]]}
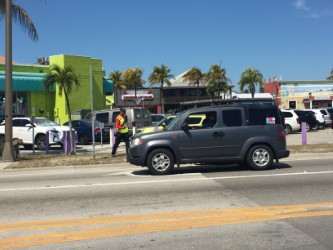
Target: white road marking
{"points": [[164, 181]]}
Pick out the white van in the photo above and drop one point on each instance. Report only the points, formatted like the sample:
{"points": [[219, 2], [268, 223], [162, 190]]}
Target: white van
{"points": [[136, 117]]}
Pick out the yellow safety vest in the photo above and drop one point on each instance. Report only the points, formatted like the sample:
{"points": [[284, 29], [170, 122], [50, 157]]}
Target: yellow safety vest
{"points": [[122, 121]]}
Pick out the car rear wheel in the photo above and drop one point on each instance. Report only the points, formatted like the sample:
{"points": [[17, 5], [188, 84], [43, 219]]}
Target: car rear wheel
{"points": [[83, 139], [40, 142], [287, 129], [260, 157], [316, 126], [160, 161]]}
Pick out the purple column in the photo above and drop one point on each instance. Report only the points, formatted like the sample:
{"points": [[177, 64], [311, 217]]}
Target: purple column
{"points": [[303, 133], [47, 143]]}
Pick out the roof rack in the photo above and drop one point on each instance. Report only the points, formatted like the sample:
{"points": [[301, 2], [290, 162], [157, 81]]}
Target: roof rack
{"points": [[211, 102]]}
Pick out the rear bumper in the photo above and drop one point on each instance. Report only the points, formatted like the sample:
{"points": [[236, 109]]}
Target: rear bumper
{"points": [[282, 154]]}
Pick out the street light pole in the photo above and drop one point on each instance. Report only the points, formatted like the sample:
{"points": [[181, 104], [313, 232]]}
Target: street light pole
{"points": [[8, 151]]}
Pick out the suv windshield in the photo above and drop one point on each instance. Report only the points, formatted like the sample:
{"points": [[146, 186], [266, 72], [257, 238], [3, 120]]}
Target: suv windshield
{"points": [[45, 122], [174, 122]]}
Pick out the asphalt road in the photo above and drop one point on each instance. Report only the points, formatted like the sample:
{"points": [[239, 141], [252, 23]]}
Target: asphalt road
{"points": [[202, 207]]}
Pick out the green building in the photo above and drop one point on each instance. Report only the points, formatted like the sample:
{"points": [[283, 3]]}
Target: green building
{"points": [[31, 99]]}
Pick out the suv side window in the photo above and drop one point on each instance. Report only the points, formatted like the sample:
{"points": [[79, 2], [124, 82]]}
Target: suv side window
{"points": [[17, 123], [137, 113], [287, 114], [102, 117], [24, 122], [232, 117], [145, 113]]}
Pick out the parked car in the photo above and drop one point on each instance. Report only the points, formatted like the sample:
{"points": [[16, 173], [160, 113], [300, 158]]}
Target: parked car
{"points": [[2, 117], [194, 121], [24, 129], [84, 131], [135, 117], [327, 117], [307, 117], [319, 117], [291, 121], [330, 110], [242, 133], [156, 118]]}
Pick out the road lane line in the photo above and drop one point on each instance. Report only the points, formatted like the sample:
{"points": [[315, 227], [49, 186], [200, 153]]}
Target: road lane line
{"points": [[164, 181], [147, 223]]}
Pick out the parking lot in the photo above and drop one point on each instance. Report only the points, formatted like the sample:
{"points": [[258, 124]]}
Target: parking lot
{"points": [[319, 136]]}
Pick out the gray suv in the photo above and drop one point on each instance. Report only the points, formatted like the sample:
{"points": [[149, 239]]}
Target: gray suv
{"points": [[238, 133]]}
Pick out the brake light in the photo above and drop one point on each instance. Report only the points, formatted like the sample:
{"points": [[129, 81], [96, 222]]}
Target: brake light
{"points": [[297, 120], [97, 130], [282, 135]]}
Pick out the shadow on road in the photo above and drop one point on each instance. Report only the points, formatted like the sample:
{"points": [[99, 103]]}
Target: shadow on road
{"points": [[209, 168]]}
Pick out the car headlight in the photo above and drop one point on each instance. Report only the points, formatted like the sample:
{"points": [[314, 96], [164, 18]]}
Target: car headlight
{"points": [[136, 141]]}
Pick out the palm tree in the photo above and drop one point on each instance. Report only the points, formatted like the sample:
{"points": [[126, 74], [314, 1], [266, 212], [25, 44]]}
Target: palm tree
{"points": [[65, 78], [12, 11], [331, 76], [195, 77], [133, 79], [160, 75], [21, 16], [217, 79], [250, 78], [117, 78]]}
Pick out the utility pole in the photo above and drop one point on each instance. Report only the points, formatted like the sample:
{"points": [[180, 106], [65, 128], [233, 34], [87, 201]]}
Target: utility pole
{"points": [[8, 151]]}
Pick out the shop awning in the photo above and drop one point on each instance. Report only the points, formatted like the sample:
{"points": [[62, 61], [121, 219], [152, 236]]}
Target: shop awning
{"points": [[25, 81]]}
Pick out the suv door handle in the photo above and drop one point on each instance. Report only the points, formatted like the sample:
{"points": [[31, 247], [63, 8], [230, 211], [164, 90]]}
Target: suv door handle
{"points": [[218, 134]]}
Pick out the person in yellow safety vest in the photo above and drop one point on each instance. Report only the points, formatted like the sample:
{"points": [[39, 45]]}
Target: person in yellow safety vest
{"points": [[122, 132]]}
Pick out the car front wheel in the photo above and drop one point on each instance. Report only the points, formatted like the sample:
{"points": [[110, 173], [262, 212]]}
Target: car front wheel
{"points": [[160, 161], [41, 142], [260, 157]]}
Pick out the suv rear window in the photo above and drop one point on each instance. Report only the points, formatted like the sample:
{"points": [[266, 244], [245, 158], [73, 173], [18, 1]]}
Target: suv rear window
{"points": [[263, 116]]}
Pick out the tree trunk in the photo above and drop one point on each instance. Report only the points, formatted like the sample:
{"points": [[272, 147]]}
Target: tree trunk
{"points": [[162, 99], [70, 125]]}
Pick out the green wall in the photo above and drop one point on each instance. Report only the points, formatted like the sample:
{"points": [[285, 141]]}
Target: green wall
{"points": [[54, 106], [81, 98]]}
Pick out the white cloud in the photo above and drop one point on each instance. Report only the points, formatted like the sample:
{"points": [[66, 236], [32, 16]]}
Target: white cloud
{"points": [[301, 5]]}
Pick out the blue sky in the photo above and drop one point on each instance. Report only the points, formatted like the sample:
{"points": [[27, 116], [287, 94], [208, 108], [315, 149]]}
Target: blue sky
{"points": [[291, 39]]}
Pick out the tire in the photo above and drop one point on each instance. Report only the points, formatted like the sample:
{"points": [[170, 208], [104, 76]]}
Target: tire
{"points": [[84, 139], [287, 129], [40, 142], [260, 157], [316, 126], [160, 162]]}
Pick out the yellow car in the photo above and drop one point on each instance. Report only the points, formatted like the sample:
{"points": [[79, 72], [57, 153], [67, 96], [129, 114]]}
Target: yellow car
{"points": [[194, 121]]}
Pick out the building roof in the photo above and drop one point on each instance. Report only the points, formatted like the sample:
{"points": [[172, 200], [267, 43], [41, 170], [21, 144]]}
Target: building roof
{"points": [[178, 81], [3, 60]]}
